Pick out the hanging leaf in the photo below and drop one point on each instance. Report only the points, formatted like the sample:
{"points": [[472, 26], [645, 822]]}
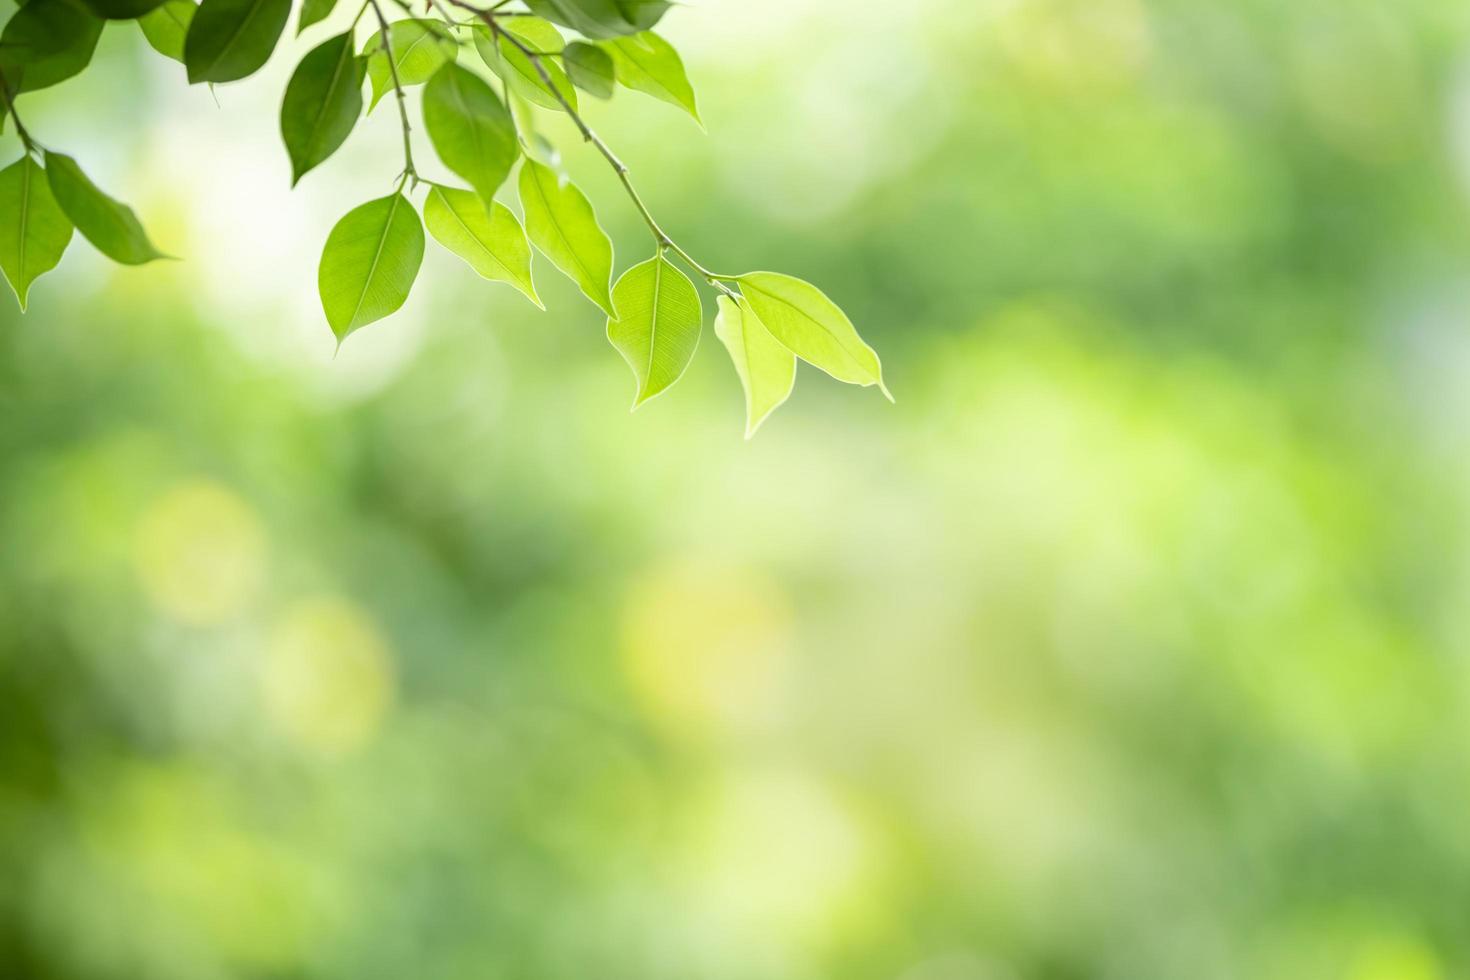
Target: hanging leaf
{"points": [[166, 26], [314, 11], [518, 71], [767, 370], [812, 327], [649, 64], [420, 48], [108, 224], [121, 9], [657, 326], [369, 263], [590, 68], [470, 128], [231, 39], [34, 231], [592, 18], [490, 239], [562, 224], [643, 14], [46, 42], [322, 103]]}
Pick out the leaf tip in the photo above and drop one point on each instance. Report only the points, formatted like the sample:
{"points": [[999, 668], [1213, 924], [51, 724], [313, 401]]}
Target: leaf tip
{"points": [[886, 393]]}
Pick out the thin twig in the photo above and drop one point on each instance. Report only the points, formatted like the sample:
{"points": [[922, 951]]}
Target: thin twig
{"points": [[408, 168]]}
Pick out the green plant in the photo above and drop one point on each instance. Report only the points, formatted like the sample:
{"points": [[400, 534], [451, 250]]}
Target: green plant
{"points": [[767, 321]]}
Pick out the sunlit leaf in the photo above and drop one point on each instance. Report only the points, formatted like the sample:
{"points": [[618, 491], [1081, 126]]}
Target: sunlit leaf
{"points": [[593, 18], [167, 25], [513, 65], [314, 11], [767, 370], [34, 231], [812, 327], [45, 42], [643, 14], [108, 224], [230, 39], [420, 48], [649, 64], [322, 103], [490, 239], [471, 129], [590, 68], [369, 263], [563, 226], [657, 325]]}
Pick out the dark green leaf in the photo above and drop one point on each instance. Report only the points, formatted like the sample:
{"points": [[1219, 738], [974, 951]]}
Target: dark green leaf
{"points": [[562, 224], [47, 41], [490, 238], [108, 224], [657, 326], [593, 18], [369, 263], [230, 39], [313, 11], [590, 68], [322, 103], [470, 128], [166, 26], [121, 9], [34, 231], [420, 48]]}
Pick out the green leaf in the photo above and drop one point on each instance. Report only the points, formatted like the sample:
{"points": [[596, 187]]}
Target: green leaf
{"points": [[121, 9], [108, 224], [562, 224], [657, 327], [767, 370], [511, 64], [470, 128], [34, 231], [314, 11], [45, 42], [812, 327], [590, 68], [592, 18], [369, 263], [489, 238], [322, 103], [167, 25], [649, 64], [643, 14], [230, 39], [420, 48]]}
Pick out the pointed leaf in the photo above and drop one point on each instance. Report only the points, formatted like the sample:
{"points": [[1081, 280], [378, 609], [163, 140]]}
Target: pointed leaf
{"points": [[45, 42], [230, 39], [322, 103], [369, 263], [519, 72], [490, 239], [121, 9], [643, 14], [470, 128], [562, 224], [34, 231], [767, 370], [592, 18], [812, 327], [108, 224], [314, 11], [590, 68], [657, 327], [167, 25], [420, 48], [649, 64]]}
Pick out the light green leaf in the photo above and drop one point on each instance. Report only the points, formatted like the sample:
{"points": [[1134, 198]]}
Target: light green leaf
{"points": [[470, 128], [649, 64], [562, 224], [590, 68], [313, 11], [511, 64], [643, 14], [490, 239], [45, 42], [34, 231], [420, 48], [369, 263], [657, 326], [166, 26], [812, 327], [108, 224], [322, 103], [767, 370], [230, 39]]}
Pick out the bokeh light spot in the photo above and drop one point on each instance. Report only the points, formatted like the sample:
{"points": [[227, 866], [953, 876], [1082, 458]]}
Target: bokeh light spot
{"points": [[199, 553]]}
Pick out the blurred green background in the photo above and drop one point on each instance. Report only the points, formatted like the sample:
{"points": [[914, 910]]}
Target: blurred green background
{"points": [[1131, 643]]}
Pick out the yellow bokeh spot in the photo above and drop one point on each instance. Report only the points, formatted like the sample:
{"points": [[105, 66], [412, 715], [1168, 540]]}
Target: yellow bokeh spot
{"points": [[1393, 957], [199, 553], [707, 650], [328, 676], [1077, 43]]}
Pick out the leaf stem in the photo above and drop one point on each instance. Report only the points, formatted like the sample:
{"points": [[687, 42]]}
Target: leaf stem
{"points": [[20, 129], [408, 168], [661, 237]]}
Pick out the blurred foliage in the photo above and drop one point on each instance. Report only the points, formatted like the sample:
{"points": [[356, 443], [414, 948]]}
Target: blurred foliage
{"points": [[1130, 644]]}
